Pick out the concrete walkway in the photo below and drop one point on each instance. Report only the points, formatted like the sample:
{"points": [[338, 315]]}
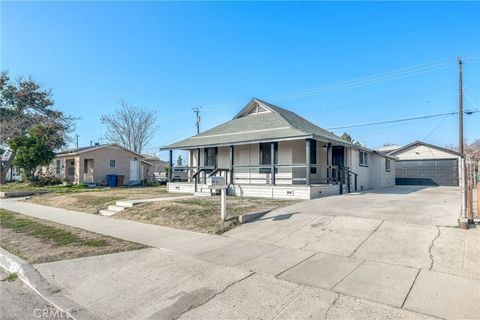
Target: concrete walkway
{"points": [[283, 266]]}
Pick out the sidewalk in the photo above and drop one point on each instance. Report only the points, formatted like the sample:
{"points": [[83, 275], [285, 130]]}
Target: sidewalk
{"points": [[183, 241]]}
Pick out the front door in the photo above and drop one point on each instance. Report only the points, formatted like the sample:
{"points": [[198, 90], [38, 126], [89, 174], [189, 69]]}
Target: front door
{"points": [[338, 156], [133, 170]]}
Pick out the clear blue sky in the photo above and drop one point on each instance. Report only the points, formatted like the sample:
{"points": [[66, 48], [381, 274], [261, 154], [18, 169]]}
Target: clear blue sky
{"points": [[175, 56]]}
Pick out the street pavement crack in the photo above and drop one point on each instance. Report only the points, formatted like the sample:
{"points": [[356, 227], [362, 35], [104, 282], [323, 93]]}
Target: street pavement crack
{"points": [[214, 295], [432, 261], [331, 305], [411, 287], [368, 237]]}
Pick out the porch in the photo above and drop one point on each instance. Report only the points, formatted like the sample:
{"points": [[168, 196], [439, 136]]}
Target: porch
{"points": [[302, 169]]}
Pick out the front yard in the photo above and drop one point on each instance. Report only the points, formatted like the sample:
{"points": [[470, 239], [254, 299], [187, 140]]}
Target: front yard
{"points": [[95, 199], [199, 214], [39, 241]]}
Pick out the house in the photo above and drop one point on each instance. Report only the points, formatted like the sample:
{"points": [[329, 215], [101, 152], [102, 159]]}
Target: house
{"points": [[421, 163], [92, 164], [152, 166], [267, 151]]}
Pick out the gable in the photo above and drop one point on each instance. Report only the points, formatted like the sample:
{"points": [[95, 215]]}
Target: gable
{"points": [[422, 151]]}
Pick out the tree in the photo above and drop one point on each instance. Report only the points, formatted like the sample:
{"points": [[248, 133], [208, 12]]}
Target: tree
{"points": [[472, 150], [345, 136], [179, 161], [33, 150], [23, 106], [129, 126]]}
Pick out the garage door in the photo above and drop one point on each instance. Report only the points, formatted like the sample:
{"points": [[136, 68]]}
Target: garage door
{"points": [[442, 172]]}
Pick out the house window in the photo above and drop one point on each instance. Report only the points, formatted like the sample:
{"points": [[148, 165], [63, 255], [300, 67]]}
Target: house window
{"points": [[58, 166], [363, 158], [313, 156], [211, 157], [112, 163], [387, 165], [266, 156]]}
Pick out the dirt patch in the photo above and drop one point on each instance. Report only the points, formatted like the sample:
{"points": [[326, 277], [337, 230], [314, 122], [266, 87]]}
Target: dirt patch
{"points": [[92, 201], [39, 241], [199, 214]]}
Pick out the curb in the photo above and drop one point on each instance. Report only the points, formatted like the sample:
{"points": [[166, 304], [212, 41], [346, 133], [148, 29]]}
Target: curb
{"points": [[33, 279], [244, 218]]}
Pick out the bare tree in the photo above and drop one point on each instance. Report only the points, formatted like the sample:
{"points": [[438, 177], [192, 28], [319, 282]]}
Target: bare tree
{"points": [[130, 126]]}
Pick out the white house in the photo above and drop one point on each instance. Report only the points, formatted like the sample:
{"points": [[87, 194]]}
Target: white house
{"points": [[267, 151]]}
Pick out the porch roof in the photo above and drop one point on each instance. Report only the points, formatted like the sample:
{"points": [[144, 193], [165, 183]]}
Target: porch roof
{"points": [[259, 121]]}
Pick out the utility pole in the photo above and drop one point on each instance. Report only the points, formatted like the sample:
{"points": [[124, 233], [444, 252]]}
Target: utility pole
{"points": [[76, 136], [460, 107], [464, 176], [196, 110]]}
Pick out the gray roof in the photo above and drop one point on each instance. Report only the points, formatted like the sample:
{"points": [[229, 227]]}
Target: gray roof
{"points": [[275, 124], [92, 148]]}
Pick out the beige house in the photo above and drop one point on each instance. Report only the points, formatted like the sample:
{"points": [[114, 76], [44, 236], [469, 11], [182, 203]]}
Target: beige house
{"points": [[267, 151], [92, 164]]}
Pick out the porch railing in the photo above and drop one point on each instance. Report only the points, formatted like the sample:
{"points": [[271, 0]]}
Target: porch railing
{"points": [[285, 174]]}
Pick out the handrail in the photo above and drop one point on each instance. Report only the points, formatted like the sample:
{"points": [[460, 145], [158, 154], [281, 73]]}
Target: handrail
{"points": [[214, 172]]}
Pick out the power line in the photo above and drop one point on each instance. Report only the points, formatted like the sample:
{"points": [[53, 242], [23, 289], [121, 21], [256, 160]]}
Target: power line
{"points": [[364, 124], [354, 83]]}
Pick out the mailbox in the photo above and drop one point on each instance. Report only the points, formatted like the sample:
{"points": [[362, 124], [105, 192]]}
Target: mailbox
{"points": [[214, 182]]}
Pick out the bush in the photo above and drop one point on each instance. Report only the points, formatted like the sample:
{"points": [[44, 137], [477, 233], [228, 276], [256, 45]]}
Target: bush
{"points": [[42, 181]]}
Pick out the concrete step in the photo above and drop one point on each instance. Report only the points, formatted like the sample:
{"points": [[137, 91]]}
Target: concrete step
{"points": [[116, 208], [125, 204], [107, 212], [202, 194]]}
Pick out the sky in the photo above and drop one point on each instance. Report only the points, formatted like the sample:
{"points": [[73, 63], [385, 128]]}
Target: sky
{"points": [[363, 61]]}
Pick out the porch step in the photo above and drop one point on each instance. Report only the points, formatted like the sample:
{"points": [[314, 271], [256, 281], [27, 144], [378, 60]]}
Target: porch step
{"points": [[124, 204], [107, 212]]}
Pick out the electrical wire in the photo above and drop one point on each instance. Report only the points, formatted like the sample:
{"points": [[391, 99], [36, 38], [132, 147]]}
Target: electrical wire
{"points": [[398, 120]]}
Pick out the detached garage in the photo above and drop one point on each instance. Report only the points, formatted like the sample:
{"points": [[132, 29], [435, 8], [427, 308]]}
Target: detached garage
{"points": [[420, 163]]}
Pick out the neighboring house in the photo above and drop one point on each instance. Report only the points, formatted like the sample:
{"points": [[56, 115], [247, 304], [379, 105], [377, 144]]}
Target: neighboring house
{"points": [[420, 163], [152, 167], [267, 151], [92, 164]]}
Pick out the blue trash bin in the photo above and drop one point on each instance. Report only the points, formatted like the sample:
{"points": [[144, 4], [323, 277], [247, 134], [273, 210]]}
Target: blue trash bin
{"points": [[111, 180]]}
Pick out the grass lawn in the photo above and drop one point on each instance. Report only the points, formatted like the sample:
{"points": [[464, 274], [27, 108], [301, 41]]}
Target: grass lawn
{"points": [[38, 241], [199, 214], [93, 200]]}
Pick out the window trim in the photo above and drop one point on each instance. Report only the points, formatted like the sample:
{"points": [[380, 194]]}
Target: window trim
{"points": [[114, 163], [58, 166], [388, 165], [260, 160], [360, 158]]}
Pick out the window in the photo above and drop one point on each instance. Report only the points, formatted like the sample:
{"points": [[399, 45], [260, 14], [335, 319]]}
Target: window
{"points": [[112, 163], [266, 156], [387, 165], [211, 157], [313, 156], [58, 167], [363, 158]]}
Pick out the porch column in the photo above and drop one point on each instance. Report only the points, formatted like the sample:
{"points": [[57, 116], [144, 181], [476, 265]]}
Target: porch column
{"points": [[329, 163], [198, 159], [307, 162], [170, 164], [272, 164], [231, 163]]}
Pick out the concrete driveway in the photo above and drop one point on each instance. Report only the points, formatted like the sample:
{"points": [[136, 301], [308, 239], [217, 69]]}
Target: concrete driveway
{"points": [[404, 204]]}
